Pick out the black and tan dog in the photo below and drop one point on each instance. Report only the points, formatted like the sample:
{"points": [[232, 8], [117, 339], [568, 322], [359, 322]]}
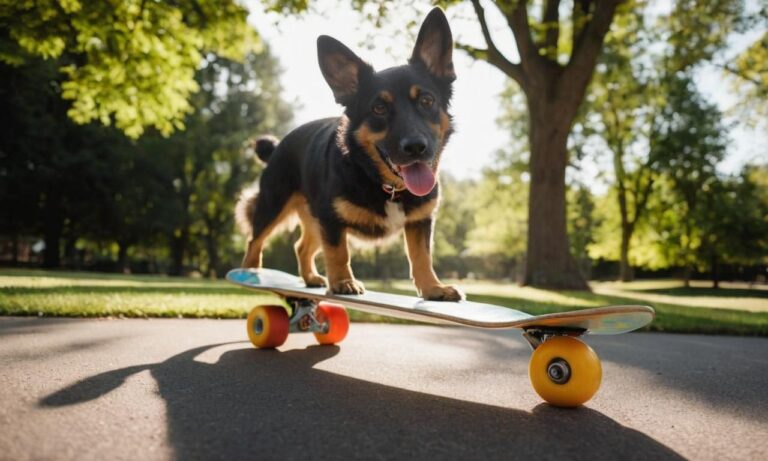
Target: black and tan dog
{"points": [[367, 174]]}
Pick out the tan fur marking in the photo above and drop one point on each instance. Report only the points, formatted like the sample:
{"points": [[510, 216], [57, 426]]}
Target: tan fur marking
{"points": [[357, 215], [422, 212], [256, 243], [445, 125], [308, 246], [337, 264], [386, 96], [368, 140], [420, 258], [418, 244], [441, 130], [414, 92]]}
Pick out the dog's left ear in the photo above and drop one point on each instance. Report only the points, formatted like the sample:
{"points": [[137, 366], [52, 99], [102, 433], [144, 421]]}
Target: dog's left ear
{"points": [[341, 68], [434, 46]]}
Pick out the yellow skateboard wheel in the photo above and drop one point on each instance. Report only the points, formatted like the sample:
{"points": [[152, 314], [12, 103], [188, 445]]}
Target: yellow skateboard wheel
{"points": [[268, 326], [338, 323], [564, 371]]}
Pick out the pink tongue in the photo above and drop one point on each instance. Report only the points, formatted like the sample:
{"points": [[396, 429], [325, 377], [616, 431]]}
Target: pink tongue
{"points": [[418, 178]]}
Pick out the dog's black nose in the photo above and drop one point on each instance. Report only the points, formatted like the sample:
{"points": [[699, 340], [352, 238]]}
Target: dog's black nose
{"points": [[413, 145]]}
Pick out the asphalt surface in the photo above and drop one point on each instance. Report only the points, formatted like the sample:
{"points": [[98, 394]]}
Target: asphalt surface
{"points": [[195, 389]]}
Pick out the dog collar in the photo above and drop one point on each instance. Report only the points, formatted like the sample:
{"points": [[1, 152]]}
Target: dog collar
{"points": [[392, 191]]}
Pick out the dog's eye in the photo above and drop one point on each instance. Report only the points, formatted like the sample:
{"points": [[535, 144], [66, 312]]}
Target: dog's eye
{"points": [[426, 101], [379, 108]]}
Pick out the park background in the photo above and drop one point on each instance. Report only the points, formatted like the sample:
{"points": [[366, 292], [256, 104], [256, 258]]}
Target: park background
{"points": [[126, 129]]}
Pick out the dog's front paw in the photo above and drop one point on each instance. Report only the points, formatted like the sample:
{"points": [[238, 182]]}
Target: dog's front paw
{"points": [[347, 287], [442, 293], [315, 281]]}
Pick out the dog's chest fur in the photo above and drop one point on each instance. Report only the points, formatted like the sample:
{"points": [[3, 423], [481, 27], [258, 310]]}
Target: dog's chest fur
{"points": [[395, 219], [373, 228]]}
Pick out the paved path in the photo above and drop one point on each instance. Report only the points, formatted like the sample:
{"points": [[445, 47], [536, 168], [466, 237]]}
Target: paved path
{"points": [[192, 389]]}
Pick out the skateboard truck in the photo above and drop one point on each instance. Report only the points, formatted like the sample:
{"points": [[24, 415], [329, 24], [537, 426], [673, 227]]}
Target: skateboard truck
{"points": [[537, 335], [303, 318]]}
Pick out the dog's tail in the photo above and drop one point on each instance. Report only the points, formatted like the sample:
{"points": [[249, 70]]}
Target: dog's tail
{"points": [[245, 208], [264, 146]]}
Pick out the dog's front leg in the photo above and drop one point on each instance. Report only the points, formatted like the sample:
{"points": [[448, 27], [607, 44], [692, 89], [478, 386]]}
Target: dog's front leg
{"points": [[338, 267], [418, 240]]}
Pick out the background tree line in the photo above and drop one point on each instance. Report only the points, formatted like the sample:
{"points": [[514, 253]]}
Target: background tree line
{"points": [[125, 142]]}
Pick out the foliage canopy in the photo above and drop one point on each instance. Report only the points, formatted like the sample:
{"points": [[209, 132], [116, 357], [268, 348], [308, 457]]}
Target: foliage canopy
{"points": [[130, 61]]}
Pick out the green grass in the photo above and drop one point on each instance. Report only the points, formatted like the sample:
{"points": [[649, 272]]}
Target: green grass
{"points": [[734, 309], [87, 294]]}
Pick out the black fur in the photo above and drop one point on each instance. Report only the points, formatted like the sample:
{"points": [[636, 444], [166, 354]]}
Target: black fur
{"points": [[264, 146]]}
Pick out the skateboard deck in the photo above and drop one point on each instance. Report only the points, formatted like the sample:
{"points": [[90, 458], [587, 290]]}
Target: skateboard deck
{"points": [[602, 320]]}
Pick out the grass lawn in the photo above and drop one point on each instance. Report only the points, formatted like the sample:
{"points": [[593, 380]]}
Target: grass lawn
{"points": [[732, 309]]}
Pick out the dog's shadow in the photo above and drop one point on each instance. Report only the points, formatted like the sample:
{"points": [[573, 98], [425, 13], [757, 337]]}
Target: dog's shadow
{"points": [[271, 404]]}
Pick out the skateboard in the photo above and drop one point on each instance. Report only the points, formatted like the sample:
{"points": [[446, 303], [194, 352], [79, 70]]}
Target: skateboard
{"points": [[563, 370]]}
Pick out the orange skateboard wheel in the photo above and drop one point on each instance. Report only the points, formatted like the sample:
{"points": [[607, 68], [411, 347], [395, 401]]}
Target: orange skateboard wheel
{"points": [[338, 323], [268, 326], [564, 371]]}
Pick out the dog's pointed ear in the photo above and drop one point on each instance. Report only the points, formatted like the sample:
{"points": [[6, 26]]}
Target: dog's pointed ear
{"points": [[434, 46], [341, 68]]}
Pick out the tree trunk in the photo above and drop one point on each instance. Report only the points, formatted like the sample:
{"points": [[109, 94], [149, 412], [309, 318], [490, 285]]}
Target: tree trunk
{"points": [[53, 226], [549, 263], [715, 275], [213, 254], [687, 272], [178, 249], [626, 274], [15, 248], [122, 258]]}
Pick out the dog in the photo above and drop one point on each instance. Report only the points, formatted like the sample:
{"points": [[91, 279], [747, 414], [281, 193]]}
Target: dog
{"points": [[368, 174]]}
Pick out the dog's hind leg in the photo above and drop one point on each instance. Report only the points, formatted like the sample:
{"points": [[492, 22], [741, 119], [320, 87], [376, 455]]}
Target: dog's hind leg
{"points": [[307, 248], [269, 211]]}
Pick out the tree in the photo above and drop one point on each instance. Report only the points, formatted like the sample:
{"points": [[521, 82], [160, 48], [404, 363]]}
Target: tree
{"points": [[206, 164], [500, 226], [553, 72], [734, 221], [69, 182], [621, 110], [85, 186], [749, 72], [131, 62], [581, 224], [455, 218], [692, 141], [500, 218]]}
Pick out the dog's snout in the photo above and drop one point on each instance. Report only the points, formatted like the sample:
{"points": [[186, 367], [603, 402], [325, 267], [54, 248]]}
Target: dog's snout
{"points": [[415, 145]]}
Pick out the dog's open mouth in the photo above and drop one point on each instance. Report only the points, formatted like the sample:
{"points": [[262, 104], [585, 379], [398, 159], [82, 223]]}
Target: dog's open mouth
{"points": [[419, 177]]}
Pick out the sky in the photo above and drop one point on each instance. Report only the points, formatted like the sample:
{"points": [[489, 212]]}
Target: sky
{"points": [[475, 105]]}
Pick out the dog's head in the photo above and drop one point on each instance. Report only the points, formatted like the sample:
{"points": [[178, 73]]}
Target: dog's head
{"points": [[398, 116]]}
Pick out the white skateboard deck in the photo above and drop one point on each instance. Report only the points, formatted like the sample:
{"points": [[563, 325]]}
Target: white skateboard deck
{"points": [[602, 320]]}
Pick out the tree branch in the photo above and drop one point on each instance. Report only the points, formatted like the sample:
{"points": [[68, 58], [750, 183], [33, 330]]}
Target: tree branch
{"points": [[588, 46], [579, 18], [492, 54], [517, 18], [551, 26], [512, 70], [741, 75]]}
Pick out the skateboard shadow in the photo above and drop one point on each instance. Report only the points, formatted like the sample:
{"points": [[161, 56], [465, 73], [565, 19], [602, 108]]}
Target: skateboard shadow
{"points": [[275, 405]]}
